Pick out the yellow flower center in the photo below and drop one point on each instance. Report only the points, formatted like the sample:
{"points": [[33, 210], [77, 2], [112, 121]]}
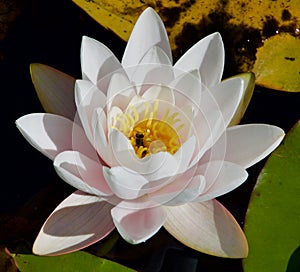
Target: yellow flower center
{"points": [[152, 136], [149, 128]]}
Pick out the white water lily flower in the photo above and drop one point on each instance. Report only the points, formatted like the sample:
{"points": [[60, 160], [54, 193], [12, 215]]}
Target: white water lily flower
{"points": [[146, 144]]}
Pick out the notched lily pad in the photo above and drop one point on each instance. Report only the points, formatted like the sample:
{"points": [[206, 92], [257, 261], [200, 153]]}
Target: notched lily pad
{"points": [[277, 64], [272, 221]]}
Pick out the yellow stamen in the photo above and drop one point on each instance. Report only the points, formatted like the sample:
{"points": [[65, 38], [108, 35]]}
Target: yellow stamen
{"points": [[157, 136], [151, 134]]}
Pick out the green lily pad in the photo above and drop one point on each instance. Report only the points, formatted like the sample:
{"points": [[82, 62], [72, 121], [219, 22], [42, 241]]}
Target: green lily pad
{"points": [[272, 224], [78, 261]]}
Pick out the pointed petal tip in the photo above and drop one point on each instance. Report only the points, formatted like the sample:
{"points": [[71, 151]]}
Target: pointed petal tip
{"points": [[78, 222], [33, 66], [86, 38], [216, 35], [36, 68], [149, 30], [150, 12], [209, 228]]}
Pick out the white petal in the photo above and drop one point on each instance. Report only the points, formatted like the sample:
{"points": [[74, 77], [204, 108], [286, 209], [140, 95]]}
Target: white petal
{"points": [[79, 221], [182, 190], [185, 153], [146, 75], [55, 90], [207, 227], [159, 92], [155, 55], [100, 131], [228, 95], [221, 178], [204, 126], [155, 167], [187, 89], [119, 142], [148, 31], [248, 144], [216, 109], [208, 56], [97, 62], [125, 183], [136, 226], [120, 91], [82, 173], [52, 134], [88, 97]]}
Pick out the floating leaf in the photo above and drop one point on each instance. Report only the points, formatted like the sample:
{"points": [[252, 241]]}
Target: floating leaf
{"points": [[244, 26], [273, 218], [77, 261], [277, 64]]}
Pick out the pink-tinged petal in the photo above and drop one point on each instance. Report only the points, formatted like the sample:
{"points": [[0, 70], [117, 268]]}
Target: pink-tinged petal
{"points": [[182, 190], [124, 182], [159, 92], [207, 227], [97, 62], [187, 89], [221, 177], [148, 31], [208, 56], [82, 173], [120, 91], [55, 90], [52, 134], [248, 144], [138, 225], [79, 221], [88, 97]]}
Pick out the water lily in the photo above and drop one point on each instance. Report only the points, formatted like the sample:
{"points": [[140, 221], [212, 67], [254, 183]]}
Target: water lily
{"points": [[146, 143]]}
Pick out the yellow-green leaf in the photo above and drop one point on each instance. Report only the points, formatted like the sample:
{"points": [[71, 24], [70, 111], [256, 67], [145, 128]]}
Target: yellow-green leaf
{"points": [[277, 64]]}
